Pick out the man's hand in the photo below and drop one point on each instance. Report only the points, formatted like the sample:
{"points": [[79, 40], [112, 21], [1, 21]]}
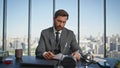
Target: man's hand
{"points": [[76, 55], [49, 55]]}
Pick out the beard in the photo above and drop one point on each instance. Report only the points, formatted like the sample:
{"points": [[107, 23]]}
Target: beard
{"points": [[58, 28]]}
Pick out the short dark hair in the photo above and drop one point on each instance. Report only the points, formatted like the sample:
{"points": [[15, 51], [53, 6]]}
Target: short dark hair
{"points": [[61, 12]]}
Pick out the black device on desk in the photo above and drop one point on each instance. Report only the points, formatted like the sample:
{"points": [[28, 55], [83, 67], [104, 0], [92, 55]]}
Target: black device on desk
{"points": [[41, 63], [69, 62]]}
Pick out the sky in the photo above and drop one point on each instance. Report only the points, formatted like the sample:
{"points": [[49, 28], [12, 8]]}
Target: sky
{"points": [[91, 16]]}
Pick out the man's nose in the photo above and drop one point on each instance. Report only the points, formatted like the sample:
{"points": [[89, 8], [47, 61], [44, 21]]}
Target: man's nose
{"points": [[61, 24]]}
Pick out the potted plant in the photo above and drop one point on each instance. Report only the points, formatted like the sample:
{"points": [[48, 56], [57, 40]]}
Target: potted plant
{"points": [[117, 64]]}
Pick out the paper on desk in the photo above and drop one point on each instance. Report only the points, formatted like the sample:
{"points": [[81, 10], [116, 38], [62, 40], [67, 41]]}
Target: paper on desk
{"points": [[99, 60], [59, 56]]}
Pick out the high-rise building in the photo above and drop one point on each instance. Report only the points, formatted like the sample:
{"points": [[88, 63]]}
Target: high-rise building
{"points": [[119, 48], [112, 46]]}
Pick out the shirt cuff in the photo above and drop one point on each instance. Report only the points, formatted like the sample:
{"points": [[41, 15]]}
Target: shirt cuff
{"points": [[44, 53]]}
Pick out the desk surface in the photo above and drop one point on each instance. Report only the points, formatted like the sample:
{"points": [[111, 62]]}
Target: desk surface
{"points": [[29, 61], [16, 63], [112, 61]]}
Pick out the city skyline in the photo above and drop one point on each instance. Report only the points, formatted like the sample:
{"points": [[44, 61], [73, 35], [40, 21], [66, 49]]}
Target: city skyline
{"points": [[91, 16], [92, 43]]}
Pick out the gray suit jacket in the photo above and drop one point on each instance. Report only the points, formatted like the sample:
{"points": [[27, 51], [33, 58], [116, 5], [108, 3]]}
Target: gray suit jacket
{"points": [[47, 42]]}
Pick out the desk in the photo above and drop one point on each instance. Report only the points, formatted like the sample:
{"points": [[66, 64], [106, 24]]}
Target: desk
{"points": [[16, 63], [112, 61], [32, 61]]}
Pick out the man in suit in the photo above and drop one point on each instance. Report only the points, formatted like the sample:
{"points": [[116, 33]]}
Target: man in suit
{"points": [[58, 39]]}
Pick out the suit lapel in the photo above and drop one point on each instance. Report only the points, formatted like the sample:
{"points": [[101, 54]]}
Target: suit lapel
{"points": [[52, 39], [63, 38]]}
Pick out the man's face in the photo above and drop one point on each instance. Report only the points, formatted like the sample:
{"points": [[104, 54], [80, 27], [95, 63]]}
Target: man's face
{"points": [[60, 22]]}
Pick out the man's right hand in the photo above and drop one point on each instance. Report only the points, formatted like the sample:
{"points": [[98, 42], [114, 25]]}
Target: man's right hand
{"points": [[49, 55]]}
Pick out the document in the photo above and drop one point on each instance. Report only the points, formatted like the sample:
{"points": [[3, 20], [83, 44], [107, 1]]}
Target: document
{"points": [[59, 56], [99, 60]]}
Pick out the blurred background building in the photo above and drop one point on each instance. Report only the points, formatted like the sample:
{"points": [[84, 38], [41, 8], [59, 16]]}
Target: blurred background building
{"points": [[95, 23]]}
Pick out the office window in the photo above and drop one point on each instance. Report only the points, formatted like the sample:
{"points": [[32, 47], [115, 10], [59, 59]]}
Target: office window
{"points": [[1, 22], [113, 28], [42, 18], [17, 24], [71, 6], [92, 26]]}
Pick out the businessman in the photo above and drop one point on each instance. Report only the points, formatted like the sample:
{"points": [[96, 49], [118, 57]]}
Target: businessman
{"points": [[58, 39]]}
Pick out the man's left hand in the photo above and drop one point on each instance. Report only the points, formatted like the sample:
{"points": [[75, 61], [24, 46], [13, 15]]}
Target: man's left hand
{"points": [[76, 55]]}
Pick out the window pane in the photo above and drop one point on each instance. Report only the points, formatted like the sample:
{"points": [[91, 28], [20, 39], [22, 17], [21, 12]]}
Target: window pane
{"points": [[42, 18], [71, 6], [1, 22], [113, 28], [91, 26], [17, 16]]}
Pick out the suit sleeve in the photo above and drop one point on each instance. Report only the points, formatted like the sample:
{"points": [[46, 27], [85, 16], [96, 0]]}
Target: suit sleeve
{"points": [[41, 46], [74, 44]]}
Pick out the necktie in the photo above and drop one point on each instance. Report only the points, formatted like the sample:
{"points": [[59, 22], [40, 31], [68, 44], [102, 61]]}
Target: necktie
{"points": [[57, 37]]}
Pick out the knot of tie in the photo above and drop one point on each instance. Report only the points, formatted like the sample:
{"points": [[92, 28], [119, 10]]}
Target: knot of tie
{"points": [[57, 37]]}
